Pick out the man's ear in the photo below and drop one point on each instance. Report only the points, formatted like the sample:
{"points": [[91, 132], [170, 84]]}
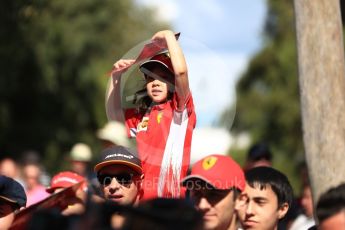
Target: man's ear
{"points": [[282, 210], [237, 205], [241, 201], [140, 187], [141, 193]]}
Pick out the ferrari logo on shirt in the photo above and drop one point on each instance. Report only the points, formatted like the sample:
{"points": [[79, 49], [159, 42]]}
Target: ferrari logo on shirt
{"points": [[142, 126], [159, 117], [209, 162]]}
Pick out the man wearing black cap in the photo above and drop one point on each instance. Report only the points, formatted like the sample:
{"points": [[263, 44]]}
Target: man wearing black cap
{"points": [[120, 174], [12, 198]]}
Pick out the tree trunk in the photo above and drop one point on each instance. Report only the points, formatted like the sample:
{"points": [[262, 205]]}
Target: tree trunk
{"points": [[322, 89]]}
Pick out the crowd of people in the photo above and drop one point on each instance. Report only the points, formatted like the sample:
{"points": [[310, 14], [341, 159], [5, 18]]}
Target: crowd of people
{"points": [[151, 185], [220, 194]]}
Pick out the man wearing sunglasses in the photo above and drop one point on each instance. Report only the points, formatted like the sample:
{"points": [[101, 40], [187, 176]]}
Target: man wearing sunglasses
{"points": [[119, 173], [214, 184]]}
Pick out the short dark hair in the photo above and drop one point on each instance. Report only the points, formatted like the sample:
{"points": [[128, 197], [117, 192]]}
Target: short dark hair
{"points": [[267, 176], [331, 202]]}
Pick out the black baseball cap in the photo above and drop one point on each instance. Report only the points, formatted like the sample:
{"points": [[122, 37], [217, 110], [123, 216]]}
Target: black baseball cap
{"points": [[162, 61], [12, 191], [119, 155]]}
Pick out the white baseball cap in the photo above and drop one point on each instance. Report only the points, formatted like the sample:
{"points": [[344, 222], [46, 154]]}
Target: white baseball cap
{"points": [[114, 132], [81, 152]]}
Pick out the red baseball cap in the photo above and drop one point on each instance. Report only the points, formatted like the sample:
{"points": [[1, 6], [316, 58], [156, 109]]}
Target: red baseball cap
{"points": [[63, 180], [161, 60], [221, 172]]}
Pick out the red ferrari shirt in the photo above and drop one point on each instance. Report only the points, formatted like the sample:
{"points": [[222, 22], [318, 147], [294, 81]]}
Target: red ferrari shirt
{"points": [[164, 137]]}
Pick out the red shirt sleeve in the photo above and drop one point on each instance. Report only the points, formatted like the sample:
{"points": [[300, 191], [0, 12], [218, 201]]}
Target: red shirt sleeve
{"points": [[132, 118]]}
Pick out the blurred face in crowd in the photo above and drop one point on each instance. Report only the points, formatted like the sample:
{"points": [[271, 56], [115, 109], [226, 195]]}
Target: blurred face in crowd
{"points": [[216, 206], [336, 221], [6, 213], [156, 89], [79, 167], [307, 201], [31, 176], [120, 184], [8, 168], [258, 208]]}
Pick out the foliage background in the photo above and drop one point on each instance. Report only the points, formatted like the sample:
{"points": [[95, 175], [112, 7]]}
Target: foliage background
{"points": [[55, 56], [268, 104]]}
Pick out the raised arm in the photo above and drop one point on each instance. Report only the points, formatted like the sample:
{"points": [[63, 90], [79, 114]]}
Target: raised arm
{"points": [[113, 98], [167, 39]]}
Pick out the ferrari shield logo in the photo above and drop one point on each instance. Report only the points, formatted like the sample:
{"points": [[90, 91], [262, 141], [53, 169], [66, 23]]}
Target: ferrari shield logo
{"points": [[209, 162], [142, 126]]}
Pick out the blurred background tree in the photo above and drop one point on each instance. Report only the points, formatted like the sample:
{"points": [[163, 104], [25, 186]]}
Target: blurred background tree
{"points": [[268, 104], [55, 56]]}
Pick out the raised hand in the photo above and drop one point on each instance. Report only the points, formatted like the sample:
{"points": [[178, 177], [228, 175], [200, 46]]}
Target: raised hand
{"points": [[160, 38], [121, 66]]}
